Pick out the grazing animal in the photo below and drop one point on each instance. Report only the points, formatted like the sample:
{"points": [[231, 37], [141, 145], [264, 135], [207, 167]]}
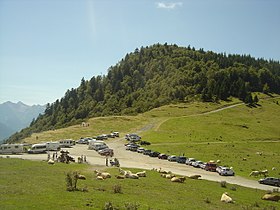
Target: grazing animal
{"points": [[264, 172], [218, 161], [105, 175], [273, 169], [254, 173], [141, 174], [122, 171], [120, 176], [131, 175], [51, 161], [225, 198], [178, 179], [169, 176], [163, 175], [99, 178], [194, 176], [270, 197], [80, 176]]}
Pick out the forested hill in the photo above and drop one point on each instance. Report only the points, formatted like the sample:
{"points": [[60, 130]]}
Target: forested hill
{"points": [[157, 75]]}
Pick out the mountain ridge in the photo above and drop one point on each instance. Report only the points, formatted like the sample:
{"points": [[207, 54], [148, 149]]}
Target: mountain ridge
{"points": [[16, 116]]}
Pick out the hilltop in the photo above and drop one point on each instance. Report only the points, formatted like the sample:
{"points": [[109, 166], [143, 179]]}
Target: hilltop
{"points": [[158, 75]]}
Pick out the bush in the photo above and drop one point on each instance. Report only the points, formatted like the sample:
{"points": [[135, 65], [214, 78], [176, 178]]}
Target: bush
{"points": [[223, 184], [71, 181], [207, 200], [109, 206], [233, 188], [117, 188], [131, 206]]}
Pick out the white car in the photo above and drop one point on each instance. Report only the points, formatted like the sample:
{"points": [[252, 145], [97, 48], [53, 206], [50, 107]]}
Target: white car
{"points": [[189, 161], [140, 150], [197, 163], [226, 172], [219, 168]]}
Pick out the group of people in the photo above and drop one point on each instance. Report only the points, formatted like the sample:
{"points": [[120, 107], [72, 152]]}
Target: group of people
{"points": [[114, 162], [54, 156], [82, 159]]}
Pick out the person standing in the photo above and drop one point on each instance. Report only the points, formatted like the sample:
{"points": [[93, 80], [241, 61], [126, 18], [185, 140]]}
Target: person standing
{"points": [[106, 161]]}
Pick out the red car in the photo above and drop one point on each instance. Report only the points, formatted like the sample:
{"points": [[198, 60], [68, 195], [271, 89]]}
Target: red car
{"points": [[106, 152], [163, 156]]}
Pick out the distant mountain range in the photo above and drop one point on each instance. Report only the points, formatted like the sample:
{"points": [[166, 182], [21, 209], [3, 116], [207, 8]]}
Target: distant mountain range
{"points": [[16, 116]]}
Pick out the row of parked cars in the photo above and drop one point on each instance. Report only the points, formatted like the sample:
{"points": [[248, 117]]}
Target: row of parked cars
{"points": [[102, 137], [209, 166]]}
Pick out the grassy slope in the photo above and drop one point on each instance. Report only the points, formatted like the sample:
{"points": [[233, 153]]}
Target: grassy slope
{"points": [[229, 135], [37, 185]]}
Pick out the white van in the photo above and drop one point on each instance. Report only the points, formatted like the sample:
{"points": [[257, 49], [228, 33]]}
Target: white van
{"points": [[66, 143], [97, 145], [11, 148], [53, 146], [38, 148]]}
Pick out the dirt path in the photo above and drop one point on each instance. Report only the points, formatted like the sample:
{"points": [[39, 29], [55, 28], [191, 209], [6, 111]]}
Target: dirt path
{"points": [[200, 114]]}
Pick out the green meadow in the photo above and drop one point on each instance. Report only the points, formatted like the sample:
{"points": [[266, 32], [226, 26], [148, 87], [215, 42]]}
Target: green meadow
{"points": [[36, 185], [245, 138]]}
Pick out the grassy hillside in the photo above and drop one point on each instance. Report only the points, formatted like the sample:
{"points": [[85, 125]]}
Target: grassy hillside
{"points": [[236, 136], [37, 185]]}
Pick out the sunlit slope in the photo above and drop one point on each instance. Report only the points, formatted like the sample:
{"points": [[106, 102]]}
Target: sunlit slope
{"points": [[243, 137], [127, 124]]}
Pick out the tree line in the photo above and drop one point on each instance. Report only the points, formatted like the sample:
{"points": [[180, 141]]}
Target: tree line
{"points": [[157, 75]]}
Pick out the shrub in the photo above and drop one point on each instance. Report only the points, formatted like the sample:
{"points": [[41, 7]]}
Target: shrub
{"points": [[207, 200], [71, 181], [131, 206], [109, 206], [117, 188], [233, 188], [223, 184]]}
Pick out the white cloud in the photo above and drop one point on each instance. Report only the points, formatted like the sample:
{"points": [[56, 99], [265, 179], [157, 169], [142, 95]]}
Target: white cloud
{"points": [[170, 5]]}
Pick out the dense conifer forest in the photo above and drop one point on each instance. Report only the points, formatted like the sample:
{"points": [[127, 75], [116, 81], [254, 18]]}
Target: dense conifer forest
{"points": [[157, 75]]}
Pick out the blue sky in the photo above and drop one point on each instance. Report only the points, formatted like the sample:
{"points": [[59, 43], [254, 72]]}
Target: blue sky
{"points": [[47, 46]]}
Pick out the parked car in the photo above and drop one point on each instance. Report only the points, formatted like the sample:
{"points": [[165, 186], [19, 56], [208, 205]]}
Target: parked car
{"points": [[163, 156], [106, 152], [202, 165], [197, 163], [270, 181], [84, 140], [145, 143], [154, 154], [211, 166], [111, 135], [147, 151], [132, 147], [132, 137], [116, 134], [219, 168], [102, 137], [181, 159], [172, 158], [140, 150], [190, 160], [226, 172]]}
